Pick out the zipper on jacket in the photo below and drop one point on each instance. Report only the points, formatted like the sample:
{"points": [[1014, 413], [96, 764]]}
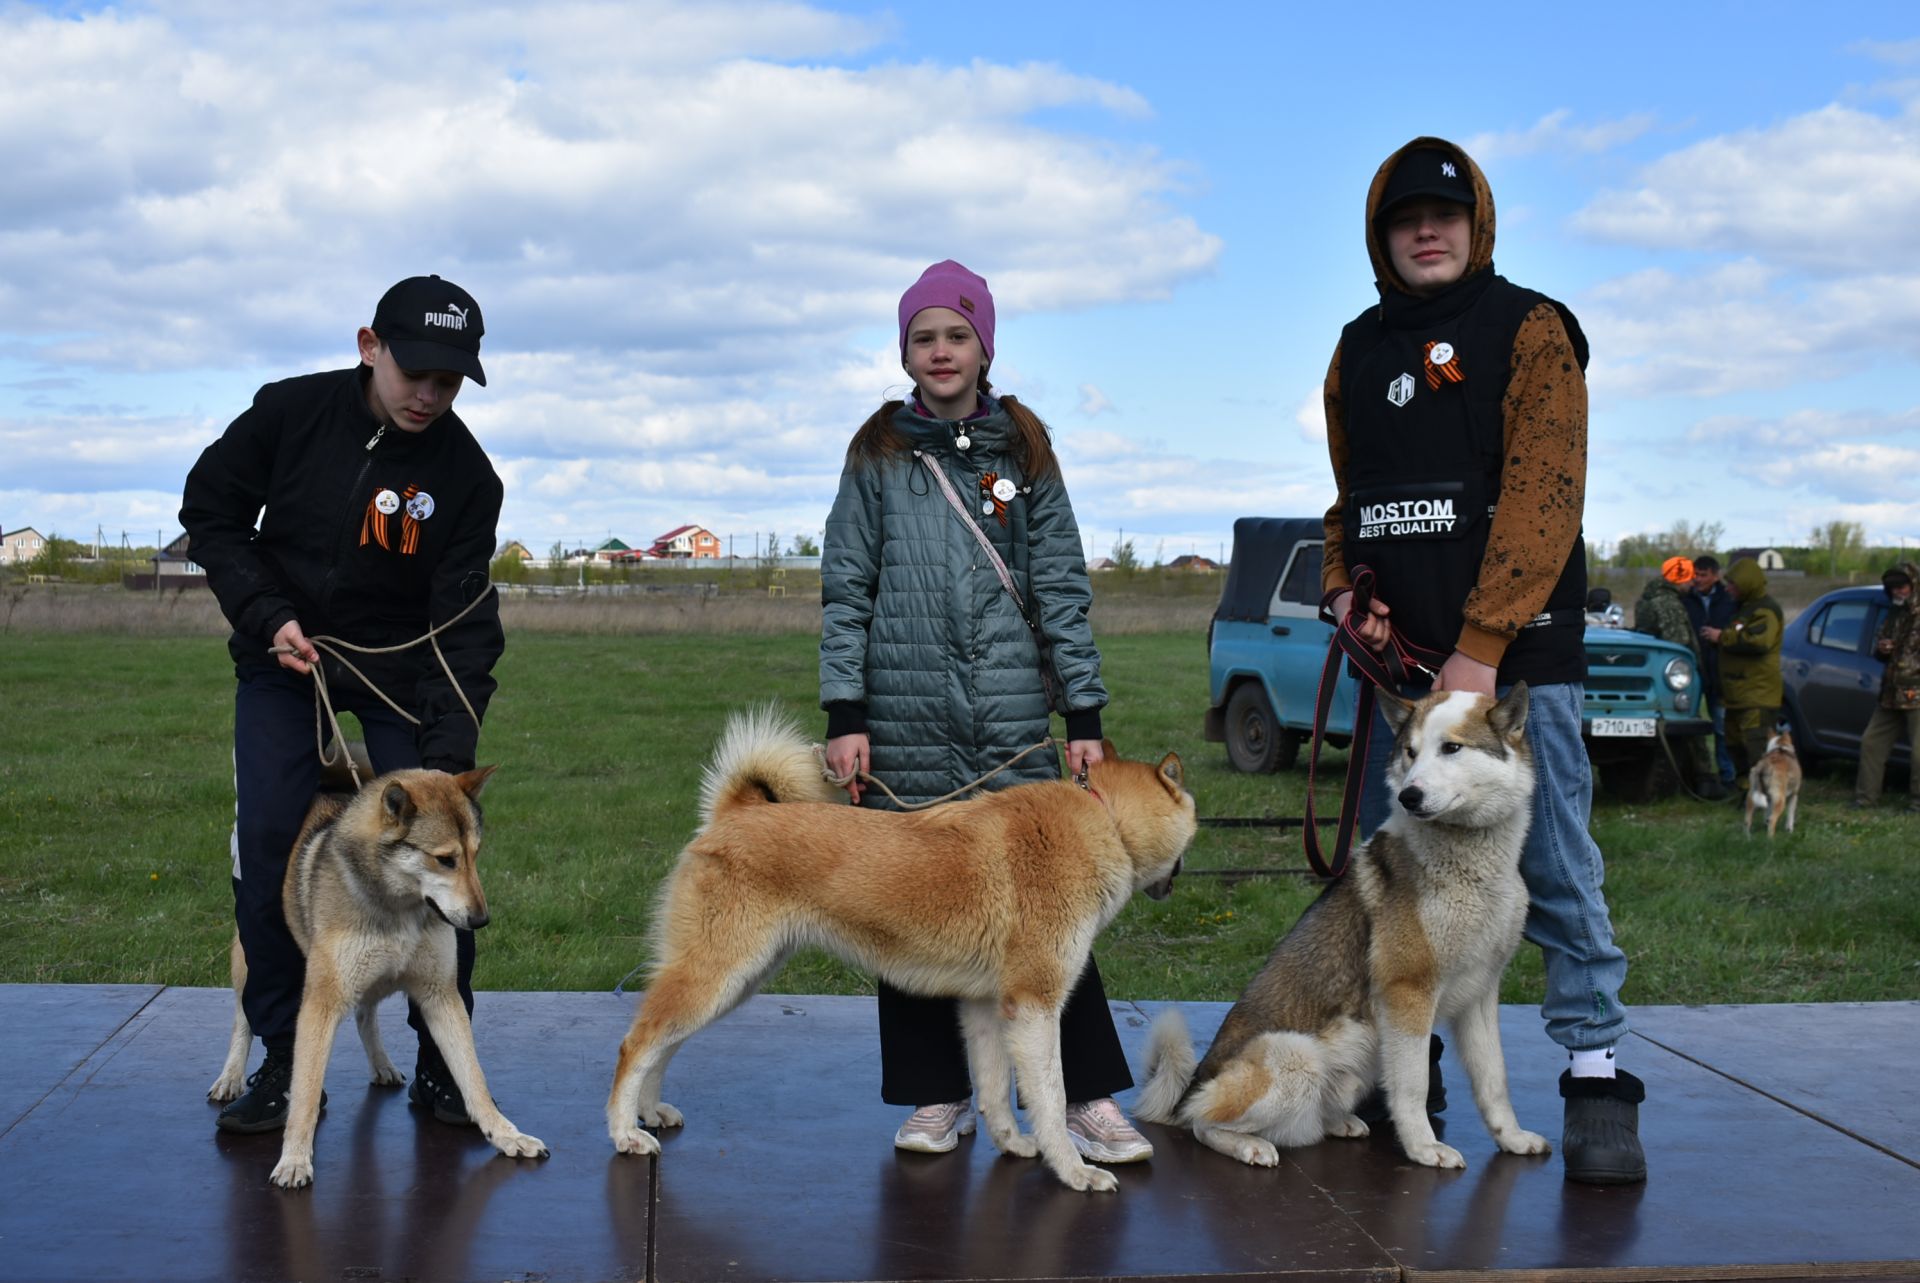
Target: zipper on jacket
{"points": [[346, 527]]}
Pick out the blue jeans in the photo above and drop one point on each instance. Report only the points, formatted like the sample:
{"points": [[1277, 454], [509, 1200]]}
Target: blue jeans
{"points": [[1561, 864], [1720, 753]]}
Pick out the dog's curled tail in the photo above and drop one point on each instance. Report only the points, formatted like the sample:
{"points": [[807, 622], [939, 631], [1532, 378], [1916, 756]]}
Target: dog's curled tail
{"points": [[1170, 1065], [762, 757]]}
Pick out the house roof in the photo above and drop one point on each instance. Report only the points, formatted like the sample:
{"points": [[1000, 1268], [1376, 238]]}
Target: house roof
{"points": [[175, 551], [676, 532], [611, 545], [19, 530]]}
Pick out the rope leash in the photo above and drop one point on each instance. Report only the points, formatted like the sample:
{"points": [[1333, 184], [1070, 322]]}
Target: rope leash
{"points": [[325, 719], [839, 781]]}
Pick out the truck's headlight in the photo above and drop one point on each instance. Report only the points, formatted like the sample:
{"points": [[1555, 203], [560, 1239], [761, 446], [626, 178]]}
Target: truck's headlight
{"points": [[1679, 674]]}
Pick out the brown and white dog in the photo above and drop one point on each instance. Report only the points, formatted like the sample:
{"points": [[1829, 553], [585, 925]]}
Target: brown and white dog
{"points": [[1773, 785], [377, 882], [1417, 933], [994, 901]]}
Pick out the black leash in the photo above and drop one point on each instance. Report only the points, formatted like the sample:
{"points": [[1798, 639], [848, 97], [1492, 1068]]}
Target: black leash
{"points": [[1386, 669]]}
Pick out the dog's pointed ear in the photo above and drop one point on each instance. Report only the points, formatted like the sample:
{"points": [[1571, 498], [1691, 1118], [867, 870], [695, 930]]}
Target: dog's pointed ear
{"points": [[1107, 749], [396, 804], [474, 782], [1171, 773], [1509, 717], [1395, 710]]}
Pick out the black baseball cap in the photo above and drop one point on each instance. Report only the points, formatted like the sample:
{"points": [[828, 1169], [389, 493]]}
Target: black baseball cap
{"points": [[1428, 171], [431, 324]]}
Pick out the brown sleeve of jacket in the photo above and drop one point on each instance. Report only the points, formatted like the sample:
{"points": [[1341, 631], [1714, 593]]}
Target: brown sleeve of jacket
{"points": [[1333, 558], [1543, 487]]}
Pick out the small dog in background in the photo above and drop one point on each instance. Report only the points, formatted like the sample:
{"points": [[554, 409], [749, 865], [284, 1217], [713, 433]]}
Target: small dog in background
{"points": [[1774, 784]]}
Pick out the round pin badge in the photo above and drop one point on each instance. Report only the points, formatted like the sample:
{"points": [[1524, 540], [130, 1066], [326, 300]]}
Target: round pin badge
{"points": [[963, 441], [1442, 353], [986, 509], [420, 507], [387, 501], [1003, 490]]}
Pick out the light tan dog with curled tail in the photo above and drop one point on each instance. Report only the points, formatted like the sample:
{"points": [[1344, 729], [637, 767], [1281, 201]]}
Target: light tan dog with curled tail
{"points": [[994, 901]]}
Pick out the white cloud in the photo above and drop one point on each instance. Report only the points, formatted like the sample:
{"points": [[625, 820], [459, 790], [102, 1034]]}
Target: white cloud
{"points": [[680, 220], [1555, 133], [1093, 401], [1312, 416], [1829, 191]]}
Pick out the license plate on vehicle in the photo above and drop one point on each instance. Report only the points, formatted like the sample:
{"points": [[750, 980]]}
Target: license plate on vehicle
{"points": [[1641, 726]]}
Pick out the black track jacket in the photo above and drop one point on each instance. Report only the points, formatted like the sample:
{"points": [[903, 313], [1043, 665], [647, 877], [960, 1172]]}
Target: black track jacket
{"points": [[369, 535]]}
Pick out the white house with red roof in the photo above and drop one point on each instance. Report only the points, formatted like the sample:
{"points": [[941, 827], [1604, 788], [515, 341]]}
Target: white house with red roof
{"points": [[687, 541]]}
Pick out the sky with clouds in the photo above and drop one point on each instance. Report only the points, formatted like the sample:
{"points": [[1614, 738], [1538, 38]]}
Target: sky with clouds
{"points": [[688, 225]]}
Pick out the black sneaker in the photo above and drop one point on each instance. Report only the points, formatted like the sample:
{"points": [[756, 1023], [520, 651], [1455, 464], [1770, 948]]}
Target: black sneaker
{"points": [[1712, 790], [264, 1107], [433, 1088], [1373, 1109], [1601, 1137]]}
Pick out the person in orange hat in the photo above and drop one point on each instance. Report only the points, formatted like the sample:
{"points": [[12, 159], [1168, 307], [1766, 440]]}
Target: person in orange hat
{"points": [[1662, 611]]}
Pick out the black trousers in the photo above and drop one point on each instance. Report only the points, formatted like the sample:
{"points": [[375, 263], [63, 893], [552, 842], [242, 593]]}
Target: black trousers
{"points": [[923, 1055], [276, 768]]}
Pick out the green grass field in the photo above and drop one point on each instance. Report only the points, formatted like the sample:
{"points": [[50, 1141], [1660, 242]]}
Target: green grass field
{"points": [[116, 798]]}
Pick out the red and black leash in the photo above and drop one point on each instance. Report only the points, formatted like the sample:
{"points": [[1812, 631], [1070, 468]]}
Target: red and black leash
{"points": [[1386, 669]]}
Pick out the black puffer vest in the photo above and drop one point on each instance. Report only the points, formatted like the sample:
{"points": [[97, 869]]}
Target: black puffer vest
{"points": [[1422, 383]]}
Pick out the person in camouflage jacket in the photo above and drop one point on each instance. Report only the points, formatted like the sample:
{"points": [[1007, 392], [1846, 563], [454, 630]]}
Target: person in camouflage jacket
{"points": [[1749, 666], [1662, 612], [1897, 644]]}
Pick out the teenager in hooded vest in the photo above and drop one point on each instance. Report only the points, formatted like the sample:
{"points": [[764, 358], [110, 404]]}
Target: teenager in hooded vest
{"points": [[930, 673], [1457, 427]]}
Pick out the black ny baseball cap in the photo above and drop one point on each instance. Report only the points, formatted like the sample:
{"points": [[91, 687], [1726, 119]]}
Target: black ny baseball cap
{"points": [[431, 324], [1428, 171]]}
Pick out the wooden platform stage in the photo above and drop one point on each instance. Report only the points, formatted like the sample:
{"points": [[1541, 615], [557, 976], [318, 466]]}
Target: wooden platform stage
{"points": [[1784, 1143]]}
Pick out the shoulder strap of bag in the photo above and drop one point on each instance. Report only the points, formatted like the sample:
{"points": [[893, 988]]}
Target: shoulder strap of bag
{"points": [[1000, 569]]}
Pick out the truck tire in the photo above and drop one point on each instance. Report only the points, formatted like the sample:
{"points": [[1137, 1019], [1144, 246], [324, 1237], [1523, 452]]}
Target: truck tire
{"points": [[1256, 743]]}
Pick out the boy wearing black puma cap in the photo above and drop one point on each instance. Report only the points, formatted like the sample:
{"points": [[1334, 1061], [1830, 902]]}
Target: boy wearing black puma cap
{"points": [[376, 512]]}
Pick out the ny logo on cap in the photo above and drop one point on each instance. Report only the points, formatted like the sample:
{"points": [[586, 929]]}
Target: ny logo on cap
{"points": [[1446, 167], [1400, 391]]}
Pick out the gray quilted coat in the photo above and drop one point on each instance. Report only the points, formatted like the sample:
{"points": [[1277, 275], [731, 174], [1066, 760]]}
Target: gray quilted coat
{"points": [[917, 627]]}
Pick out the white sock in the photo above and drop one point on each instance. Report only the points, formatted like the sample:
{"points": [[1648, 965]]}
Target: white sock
{"points": [[1597, 1063]]}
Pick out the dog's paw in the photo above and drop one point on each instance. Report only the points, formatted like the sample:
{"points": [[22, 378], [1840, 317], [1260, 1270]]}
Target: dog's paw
{"points": [[1256, 1151], [292, 1173], [634, 1140], [1014, 1143], [1518, 1141], [387, 1076], [661, 1115], [1096, 1180], [521, 1145], [225, 1088], [1436, 1154], [1350, 1128]]}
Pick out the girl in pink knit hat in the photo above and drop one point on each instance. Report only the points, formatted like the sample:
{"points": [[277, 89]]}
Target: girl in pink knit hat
{"points": [[933, 674]]}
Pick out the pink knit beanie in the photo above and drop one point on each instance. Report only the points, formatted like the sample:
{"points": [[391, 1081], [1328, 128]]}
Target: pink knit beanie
{"points": [[948, 284]]}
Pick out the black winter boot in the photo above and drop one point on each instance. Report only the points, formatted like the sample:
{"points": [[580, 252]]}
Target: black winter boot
{"points": [[1373, 1109], [433, 1088], [264, 1107], [1601, 1137]]}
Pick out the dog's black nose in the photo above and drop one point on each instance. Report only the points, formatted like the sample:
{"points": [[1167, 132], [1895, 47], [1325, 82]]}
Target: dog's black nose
{"points": [[1411, 797]]}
